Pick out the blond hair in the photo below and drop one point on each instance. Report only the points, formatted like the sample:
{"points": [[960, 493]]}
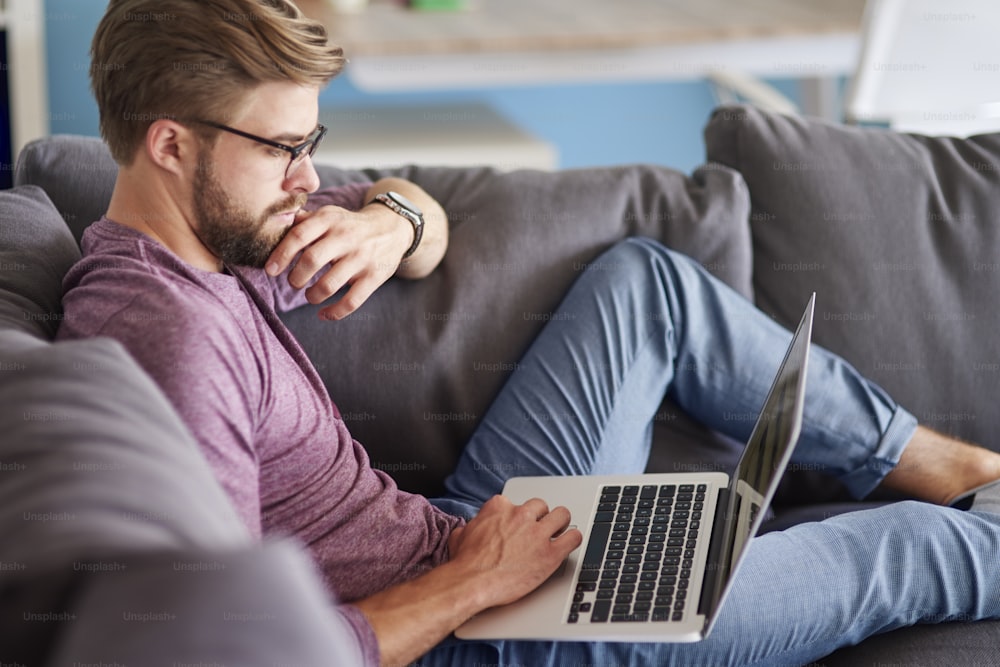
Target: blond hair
{"points": [[197, 59]]}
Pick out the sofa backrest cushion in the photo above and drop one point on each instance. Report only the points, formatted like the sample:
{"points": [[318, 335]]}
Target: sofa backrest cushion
{"points": [[415, 369], [77, 173], [36, 250], [898, 236], [437, 351]]}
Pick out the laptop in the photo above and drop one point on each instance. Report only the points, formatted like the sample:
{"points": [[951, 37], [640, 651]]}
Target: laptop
{"points": [[659, 551]]}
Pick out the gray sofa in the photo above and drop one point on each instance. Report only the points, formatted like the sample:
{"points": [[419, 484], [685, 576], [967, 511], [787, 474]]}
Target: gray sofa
{"points": [[893, 232]]}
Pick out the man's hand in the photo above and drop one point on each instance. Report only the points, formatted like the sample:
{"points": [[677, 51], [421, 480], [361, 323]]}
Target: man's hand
{"points": [[503, 554], [513, 548], [362, 249]]}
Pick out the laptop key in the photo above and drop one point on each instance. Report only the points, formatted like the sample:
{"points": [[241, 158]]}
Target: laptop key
{"points": [[602, 610], [599, 534], [630, 618]]}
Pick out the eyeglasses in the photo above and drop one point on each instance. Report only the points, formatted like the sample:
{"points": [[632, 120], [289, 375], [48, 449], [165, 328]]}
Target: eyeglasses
{"points": [[298, 154]]}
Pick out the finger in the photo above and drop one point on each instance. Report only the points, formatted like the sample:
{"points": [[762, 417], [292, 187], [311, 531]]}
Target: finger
{"points": [[341, 272], [569, 540], [351, 301], [299, 237], [556, 522], [538, 507], [325, 252], [558, 518]]}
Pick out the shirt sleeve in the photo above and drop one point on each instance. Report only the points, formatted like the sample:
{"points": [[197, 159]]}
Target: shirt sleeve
{"points": [[350, 197], [366, 639], [211, 386]]}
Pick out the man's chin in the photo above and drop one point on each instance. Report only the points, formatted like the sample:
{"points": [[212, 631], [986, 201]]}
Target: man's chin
{"points": [[251, 255]]}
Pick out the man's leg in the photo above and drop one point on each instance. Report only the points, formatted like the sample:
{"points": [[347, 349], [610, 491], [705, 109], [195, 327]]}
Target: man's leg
{"points": [[801, 593], [807, 591], [643, 322], [804, 592]]}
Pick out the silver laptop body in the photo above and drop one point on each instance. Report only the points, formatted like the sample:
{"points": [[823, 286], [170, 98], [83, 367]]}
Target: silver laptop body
{"points": [[659, 550]]}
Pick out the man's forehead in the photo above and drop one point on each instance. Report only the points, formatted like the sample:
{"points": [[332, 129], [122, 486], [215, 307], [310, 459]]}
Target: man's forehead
{"points": [[282, 111]]}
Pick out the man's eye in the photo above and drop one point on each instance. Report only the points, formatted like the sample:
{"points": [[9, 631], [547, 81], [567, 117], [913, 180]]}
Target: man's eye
{"points": [[274, 152]]}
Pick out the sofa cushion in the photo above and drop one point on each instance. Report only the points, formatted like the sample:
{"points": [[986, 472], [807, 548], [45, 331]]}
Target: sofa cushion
{"points": [[77, 173], [415, 369], [112, 519], [431, 355], [89, 440], [898, 236], [36, 250], [256, 607]]}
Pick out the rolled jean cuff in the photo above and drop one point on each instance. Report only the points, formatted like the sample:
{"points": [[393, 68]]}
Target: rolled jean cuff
{"points": [[898, 434]]}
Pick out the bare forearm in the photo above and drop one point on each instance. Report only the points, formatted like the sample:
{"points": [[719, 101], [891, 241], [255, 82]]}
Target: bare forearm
{"points": [[412, 618], [435, 237]]}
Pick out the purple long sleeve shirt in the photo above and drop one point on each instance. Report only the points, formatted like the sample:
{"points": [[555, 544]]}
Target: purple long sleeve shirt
{"points": [[254, 402]]}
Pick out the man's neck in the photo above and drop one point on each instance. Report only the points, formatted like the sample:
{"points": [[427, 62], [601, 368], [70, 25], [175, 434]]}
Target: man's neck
{"points": [[145, 205]]}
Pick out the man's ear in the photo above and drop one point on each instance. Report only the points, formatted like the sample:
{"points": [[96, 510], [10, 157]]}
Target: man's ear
{"points": [[171, 146]]}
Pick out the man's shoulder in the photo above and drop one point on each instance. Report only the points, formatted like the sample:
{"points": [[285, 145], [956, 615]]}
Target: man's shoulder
{"points": [[113, 291]]}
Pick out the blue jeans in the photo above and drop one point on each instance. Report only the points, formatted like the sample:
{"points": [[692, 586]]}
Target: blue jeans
{"points": [[643, 322]]}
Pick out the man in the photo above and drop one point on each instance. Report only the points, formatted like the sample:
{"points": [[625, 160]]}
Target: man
{"points": [[211, 116]]}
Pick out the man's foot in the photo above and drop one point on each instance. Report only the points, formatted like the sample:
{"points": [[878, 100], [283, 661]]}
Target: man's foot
{"points": [[940, 469]]}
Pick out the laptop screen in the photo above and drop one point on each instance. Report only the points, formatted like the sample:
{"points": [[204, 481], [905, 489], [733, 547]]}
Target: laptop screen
{"points": [[766, 455]]}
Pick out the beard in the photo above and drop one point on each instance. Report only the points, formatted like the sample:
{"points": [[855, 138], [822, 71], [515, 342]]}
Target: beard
{"points": [[231, 231]]}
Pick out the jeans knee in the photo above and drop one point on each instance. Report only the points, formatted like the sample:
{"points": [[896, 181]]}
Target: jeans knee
{"points": [[639, 253]]}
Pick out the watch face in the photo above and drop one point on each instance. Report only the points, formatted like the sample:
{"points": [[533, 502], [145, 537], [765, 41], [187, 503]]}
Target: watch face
{"points": [[404, 202]]}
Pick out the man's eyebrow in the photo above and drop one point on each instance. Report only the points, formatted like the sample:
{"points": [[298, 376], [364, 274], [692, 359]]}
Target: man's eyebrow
{"points": [[292, 137]]}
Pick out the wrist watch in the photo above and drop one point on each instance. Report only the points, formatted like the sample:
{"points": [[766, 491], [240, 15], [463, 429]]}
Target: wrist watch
{"points": [[404, 207]]}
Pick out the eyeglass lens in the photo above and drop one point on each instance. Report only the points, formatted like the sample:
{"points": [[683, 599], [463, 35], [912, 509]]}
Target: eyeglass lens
{"points": [[297, 160]]}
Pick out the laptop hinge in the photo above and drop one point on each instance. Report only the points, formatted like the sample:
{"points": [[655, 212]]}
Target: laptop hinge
{"points": [[719, 554]]}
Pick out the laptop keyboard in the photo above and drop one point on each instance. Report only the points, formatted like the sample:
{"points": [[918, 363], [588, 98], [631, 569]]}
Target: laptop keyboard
{"points": [[637, 566]]}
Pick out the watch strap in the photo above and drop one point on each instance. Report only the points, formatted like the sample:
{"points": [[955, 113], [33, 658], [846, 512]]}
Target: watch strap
{"points": [[411, 214]]}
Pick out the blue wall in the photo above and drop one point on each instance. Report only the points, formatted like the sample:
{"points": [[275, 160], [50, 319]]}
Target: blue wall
{"points": [[589, 125]]}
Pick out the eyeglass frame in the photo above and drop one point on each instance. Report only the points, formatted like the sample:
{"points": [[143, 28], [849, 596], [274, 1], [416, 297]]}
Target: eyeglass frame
{"points": [[309, 144]]}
